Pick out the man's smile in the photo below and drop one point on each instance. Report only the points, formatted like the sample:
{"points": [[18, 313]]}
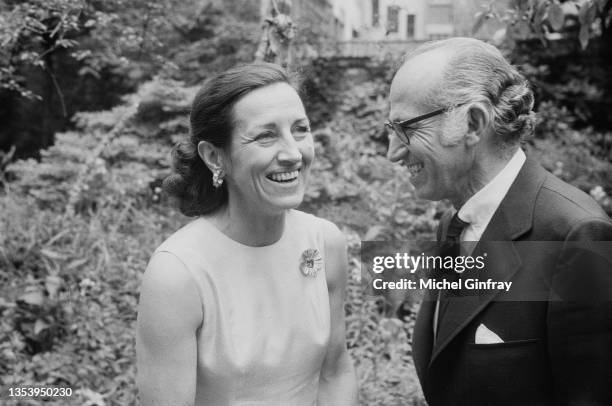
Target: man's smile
{"points": [[415, 168]]}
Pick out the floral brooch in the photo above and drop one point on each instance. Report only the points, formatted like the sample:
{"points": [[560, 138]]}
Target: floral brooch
{"points": [[311, 262]]}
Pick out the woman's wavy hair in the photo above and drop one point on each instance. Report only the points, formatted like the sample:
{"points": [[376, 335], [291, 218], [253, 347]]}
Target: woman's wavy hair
{"points": [[478, 73], [212, 120]]}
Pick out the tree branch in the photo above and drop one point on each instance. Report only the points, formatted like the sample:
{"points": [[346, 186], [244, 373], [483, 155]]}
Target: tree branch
{"points": [[58, 90], [145, 27], [604, 15]]}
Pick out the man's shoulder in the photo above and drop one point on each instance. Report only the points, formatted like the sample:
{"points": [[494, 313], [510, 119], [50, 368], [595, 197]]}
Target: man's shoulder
{"points": [[561, 206], [561, 196]]}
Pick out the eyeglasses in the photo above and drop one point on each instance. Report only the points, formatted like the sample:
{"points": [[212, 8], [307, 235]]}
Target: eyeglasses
{"points": [[400, 127]]}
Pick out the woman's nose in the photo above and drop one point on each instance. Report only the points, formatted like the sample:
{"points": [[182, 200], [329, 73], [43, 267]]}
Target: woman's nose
{"points": [[289, 151]]}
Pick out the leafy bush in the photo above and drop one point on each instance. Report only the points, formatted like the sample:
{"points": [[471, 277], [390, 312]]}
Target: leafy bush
{"points": [[70, 286]]}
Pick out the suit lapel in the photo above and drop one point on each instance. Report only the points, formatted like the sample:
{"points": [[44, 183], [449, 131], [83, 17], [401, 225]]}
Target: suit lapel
{"points": [[512, 219], [463, 309]]}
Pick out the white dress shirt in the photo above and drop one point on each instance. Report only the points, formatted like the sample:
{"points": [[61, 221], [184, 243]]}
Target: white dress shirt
{"points": [[479, 209]]}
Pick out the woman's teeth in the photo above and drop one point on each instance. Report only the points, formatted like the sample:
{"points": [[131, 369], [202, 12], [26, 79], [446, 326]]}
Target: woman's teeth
{"points": [[284, 176]]}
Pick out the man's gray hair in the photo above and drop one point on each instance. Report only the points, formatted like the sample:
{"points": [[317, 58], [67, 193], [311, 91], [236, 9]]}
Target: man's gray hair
{"points": [[478, 73]]}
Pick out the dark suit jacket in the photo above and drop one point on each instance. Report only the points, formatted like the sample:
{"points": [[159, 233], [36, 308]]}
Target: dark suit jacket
{"points": [[555, 352]]}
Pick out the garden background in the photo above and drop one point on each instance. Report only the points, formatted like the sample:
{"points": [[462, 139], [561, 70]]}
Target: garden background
{"points": [[93, 94]]}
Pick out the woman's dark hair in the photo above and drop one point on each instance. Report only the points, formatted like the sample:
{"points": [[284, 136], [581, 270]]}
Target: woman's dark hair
{"points": [[211, 120]]}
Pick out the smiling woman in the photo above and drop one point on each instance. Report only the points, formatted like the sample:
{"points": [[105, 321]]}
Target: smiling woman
{"points": [[270, 152], [244, 304]]}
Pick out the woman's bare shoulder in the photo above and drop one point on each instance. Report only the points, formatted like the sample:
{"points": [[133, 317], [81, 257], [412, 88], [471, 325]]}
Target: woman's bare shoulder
{"points": [[168, 290]]}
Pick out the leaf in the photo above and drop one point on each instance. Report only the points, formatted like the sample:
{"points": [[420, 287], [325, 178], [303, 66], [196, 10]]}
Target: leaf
{"points": [[91, 397], [480, 17], [522, 29], [583, 36], [540, 12], [375, 232], [51, 254], [52, 284], [87, 70], [76, 263], [5, 304], [39, 326], [523, 4], [500, 36], [66, 43], [57, 237], [556, 16], [33, 296], [587, 13]]}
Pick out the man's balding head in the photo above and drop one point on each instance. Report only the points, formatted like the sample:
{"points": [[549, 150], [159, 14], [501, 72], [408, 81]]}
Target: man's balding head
{"points": [[466, 70]]}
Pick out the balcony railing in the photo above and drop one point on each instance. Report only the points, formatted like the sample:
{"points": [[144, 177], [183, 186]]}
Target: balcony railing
{"points": [[373, 49]]}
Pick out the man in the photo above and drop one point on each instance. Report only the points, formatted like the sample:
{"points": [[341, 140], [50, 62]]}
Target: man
{"points": [[458, 113]]}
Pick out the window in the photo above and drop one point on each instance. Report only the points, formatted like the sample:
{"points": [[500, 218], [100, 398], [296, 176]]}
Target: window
{"points": [[375, 13], [410, 26], [393, 19]]}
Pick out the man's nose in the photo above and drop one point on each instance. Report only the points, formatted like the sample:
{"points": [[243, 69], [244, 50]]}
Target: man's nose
{"points": [[397, 149]]}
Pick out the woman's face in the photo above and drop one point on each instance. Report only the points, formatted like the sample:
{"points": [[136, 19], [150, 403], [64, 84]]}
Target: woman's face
{"points": [[271, 150]]}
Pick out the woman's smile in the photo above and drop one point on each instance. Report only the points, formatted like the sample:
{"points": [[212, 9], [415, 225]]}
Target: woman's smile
{"points": [[287, 177]]}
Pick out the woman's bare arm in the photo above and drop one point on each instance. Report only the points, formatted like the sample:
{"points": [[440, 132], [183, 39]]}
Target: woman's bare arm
{"points": [[169, 313], [337, 384]]}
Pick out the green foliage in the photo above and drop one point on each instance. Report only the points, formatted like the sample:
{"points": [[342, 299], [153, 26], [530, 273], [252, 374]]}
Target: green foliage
{"points": [[75, 173], [527, 18], [380, 346], [581, 157], [222, 35], [32, 30], [70, 286], [124, 36], [65, 56], [547, 38], [97, 34]]}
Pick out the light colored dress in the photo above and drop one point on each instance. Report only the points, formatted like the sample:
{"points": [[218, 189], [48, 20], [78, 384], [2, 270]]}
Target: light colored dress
{"points": [[266, 325]]}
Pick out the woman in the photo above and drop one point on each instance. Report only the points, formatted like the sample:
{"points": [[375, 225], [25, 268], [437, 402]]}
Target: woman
{"points": [[244, 305]]}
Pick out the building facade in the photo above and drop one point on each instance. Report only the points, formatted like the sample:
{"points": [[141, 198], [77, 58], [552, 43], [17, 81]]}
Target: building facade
{"points": [[409, 19]]}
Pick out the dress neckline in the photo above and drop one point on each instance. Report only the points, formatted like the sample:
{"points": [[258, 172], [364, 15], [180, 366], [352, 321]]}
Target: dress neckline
{"points": [[238, 244]]}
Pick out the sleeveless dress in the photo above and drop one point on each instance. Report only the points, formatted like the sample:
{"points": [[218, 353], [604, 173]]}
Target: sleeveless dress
{"points": [[266, 325]]}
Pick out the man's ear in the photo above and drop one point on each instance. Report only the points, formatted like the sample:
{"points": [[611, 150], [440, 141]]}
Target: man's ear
{"points": [[478, 124], [211, 155]]}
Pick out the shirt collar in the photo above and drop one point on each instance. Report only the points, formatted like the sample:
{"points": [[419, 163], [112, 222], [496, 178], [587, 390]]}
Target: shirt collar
{"points": [[479, 209]]}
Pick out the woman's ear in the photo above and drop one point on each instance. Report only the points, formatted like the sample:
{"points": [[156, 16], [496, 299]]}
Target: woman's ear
{"points": [[211, 155], [478, 124]]}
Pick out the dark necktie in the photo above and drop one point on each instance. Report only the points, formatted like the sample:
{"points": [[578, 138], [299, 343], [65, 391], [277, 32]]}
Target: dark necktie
{"points": [[455, 228], [450, 247]]}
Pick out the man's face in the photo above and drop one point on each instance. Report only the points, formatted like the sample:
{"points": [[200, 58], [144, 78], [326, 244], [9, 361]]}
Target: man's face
{"points": [[439, 170]]}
